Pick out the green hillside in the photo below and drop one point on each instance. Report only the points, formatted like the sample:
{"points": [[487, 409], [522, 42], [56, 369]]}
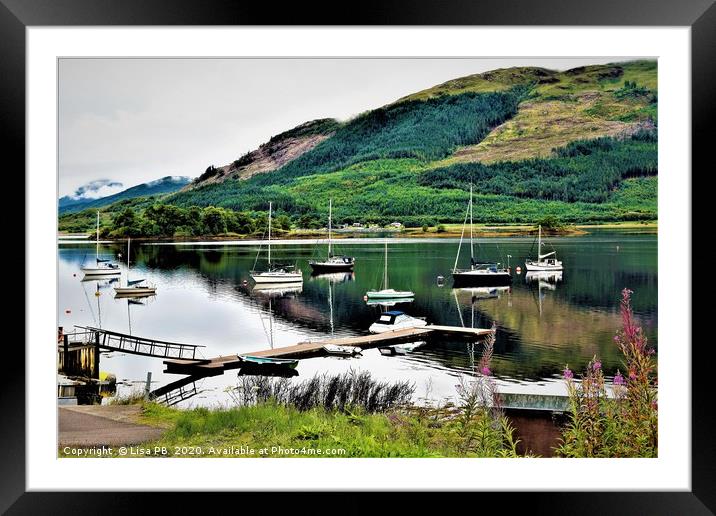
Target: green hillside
{"points": [[580, 145]]}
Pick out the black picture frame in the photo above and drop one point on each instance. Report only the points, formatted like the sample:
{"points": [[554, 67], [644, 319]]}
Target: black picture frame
{"points": [[16, 15]]}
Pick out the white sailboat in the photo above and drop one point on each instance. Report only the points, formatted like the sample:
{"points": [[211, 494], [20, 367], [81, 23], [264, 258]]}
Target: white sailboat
{"points": [[134, 288], [388, 293], [101, 267], [332, 263], [479, 274], [543, 261], [276, 274]]}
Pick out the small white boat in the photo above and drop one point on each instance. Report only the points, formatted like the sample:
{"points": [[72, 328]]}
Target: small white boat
{"points": [[388, 293], [389, 301], [276, 274], [102, 267], [543, 262], [345, 351], [395, 320], [401, 349], [134, 288], [135, 291]]}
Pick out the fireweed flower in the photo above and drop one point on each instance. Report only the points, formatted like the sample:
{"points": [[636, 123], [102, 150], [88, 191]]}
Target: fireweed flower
{"points": [[486, 371], [597, 365], [618, 379], [568, 374]]}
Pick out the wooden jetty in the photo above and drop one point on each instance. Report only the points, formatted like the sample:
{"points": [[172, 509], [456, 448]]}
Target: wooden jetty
{"points": [[308, 349]]}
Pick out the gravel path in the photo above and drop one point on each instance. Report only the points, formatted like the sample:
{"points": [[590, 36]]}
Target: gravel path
{"points": [[97, 425]]}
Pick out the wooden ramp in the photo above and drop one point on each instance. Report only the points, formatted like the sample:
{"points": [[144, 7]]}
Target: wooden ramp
{"points": [[314, 348]]}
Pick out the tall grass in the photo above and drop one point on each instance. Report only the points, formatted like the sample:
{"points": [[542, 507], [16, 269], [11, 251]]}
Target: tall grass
{"points": [[343, 392]]}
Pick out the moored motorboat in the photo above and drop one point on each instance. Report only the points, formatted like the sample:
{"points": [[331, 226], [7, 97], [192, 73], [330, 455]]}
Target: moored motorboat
{"points": [[396, 320]]}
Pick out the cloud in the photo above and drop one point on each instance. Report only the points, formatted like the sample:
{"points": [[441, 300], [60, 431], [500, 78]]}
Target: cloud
{"points": [[96, 189], [172, 179]]}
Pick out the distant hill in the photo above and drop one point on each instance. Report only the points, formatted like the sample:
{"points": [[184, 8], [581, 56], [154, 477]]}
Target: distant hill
{"points": [[164, 185], [579, 145], [271, 155]]}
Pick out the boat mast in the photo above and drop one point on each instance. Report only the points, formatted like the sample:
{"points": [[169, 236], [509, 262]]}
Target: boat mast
{"points": [[539, 242], [269, 237], [472, 254], [128, 242], [385, 271], [330, 213], [462, 236], [96, 253]]}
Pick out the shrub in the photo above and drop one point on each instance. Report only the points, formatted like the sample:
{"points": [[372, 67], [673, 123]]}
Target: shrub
{"points": [[624, 425]]}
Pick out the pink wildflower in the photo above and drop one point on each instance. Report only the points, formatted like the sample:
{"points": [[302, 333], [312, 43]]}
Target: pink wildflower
{"points": [[618, 379]]}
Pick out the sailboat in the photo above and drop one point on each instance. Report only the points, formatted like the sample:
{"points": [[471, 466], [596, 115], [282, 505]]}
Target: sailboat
{"points": [[263, 365], [479, 274], [276, 274], [543, 262], [102, 267], [388, 293], [134, 288], [332, 263]]}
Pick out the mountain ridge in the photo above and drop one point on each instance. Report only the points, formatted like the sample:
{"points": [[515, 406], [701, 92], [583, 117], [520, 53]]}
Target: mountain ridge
{"points": [[164, 185]]}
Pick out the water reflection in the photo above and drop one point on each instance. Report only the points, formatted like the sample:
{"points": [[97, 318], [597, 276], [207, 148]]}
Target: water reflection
{"points": [[208, 298]]}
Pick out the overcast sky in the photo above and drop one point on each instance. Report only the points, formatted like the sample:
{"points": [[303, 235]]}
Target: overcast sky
{"points": [[129, 121]]}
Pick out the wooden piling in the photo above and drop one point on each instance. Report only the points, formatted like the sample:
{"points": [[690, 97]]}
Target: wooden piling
{"points": [[65, 352], [95, 363]]}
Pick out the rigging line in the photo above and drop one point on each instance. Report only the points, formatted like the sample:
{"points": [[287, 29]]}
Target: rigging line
{"points": [[262, 322], [457, 304], [462, 235], [258, 253], [94, 319]]}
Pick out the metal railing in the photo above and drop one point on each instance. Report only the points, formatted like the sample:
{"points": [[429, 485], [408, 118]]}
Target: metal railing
{"points": [[116, 341]]}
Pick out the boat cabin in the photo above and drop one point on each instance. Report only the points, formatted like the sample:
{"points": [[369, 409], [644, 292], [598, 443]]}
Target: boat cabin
{"points": [[390, 318], [491, 267]]}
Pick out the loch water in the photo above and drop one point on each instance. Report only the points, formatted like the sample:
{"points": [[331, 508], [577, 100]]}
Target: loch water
{"points": [[205, 296]]}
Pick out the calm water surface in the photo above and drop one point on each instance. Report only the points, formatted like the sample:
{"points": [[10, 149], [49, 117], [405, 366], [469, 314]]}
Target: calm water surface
{"points": [[201, 299]]}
